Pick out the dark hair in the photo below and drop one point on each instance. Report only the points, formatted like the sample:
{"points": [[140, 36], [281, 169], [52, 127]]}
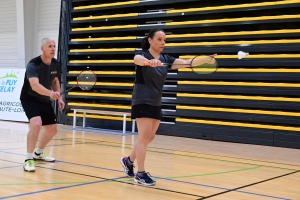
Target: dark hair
{"points": [[145, 42]]}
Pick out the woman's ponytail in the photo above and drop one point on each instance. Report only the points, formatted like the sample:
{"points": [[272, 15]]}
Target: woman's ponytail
{"points": [[145, 43]]}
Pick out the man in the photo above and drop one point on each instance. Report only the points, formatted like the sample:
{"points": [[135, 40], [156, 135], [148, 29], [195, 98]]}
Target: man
{"points": [[36, 98]]}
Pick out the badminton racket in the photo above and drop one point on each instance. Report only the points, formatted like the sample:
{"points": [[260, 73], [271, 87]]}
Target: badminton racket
{"points": [[85, 81], [198, 64]]}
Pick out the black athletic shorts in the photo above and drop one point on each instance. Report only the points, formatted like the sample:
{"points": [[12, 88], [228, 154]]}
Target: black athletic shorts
{"points": [[35, 108], [146, 111]]}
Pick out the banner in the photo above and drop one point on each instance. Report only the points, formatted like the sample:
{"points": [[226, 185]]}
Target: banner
{"points": [[11, 82]]}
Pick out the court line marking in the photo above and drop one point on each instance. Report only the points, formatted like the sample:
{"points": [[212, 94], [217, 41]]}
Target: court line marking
{"points": [[13, 148], [10, 167], [216, 173], [51, 145], [215, 159], [210, 174], [166, 190], [215, 187], [101, 141], [11, 161], [116, 180], [276, 177], [173, 180], [12, 142], [26, 140], [52, 189], [43, 183]]}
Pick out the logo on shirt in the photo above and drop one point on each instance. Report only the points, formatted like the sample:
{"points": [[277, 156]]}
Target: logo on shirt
{"points": [[54, 72]]}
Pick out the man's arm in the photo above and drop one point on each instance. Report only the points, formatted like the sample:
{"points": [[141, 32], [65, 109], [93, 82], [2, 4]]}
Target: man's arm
{"points": [[37, 87], [55, 85]]}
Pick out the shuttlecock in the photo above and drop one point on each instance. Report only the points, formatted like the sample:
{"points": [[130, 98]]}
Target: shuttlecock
{"points": [[242, 54]]}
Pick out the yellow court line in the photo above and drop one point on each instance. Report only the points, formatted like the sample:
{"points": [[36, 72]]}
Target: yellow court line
{"points": [[218, 96], [283, 41], [106, 16], [99, 94], [190, 70], [100, 117], [98, 105], [102, 83], [103, 50], [194, 44], [106, 5], [234, 6], [103, 39], [102, 61], [259, 84], [274, 56], [244, 70], [251, 5], [194, 22], [261, 32], [104, 28], [235, 110], [240, 97], [242, 19], [105, 72], [248, 125]]}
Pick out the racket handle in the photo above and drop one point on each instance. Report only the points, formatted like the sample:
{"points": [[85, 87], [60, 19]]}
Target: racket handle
{"points": [[148, 64]]}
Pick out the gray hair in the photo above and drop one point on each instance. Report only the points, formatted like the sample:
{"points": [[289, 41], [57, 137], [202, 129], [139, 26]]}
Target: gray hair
{"points": [[45, 40]]}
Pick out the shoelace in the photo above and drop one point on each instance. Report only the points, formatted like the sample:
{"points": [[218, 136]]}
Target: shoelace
{"points": [[148, 176], [30, 163], [45, 155]]}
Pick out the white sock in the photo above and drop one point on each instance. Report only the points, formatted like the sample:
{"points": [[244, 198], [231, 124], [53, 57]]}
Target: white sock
{"points": [[29, 156], [39, 151]]}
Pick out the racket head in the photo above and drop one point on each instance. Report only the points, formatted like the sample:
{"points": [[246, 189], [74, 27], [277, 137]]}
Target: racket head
{"points": [[86, 80], [208, 67]]}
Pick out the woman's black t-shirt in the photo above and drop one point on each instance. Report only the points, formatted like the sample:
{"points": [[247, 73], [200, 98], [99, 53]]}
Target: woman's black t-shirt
{"points": [[149, 81]]}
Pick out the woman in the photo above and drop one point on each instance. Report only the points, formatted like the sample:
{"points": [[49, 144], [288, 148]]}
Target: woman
{"points": [[146, 99]]}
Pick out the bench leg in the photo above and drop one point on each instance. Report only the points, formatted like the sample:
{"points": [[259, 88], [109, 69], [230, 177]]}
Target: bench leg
{"points": [[74, 119], [124, 123], [133, 126], [84, 116]]}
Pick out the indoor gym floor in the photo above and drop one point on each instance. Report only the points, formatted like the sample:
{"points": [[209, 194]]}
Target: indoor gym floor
{"points": [[88, 167]]}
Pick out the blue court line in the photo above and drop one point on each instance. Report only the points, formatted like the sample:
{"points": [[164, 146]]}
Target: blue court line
{"points": [[12, 142], [221, 188], [191, 183], [22, 163], [59, 188], [12, 148], [11, 167], [11, 161], [109, 169]]}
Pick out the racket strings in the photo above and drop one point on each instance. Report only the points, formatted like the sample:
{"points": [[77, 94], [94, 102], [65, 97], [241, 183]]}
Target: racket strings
{"points": [[86, 80], [204, 65]]}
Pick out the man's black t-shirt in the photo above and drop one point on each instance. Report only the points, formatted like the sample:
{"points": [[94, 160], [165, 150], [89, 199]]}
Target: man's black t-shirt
{"points": [[149, 81], [45, 74]]}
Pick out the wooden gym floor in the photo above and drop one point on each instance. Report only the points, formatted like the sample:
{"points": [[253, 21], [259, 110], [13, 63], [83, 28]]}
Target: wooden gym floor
{"points": [[88, 167]]}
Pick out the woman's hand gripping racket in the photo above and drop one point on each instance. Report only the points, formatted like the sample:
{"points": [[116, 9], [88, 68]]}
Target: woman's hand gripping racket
{"points": [[199, 64], [85, 81]]}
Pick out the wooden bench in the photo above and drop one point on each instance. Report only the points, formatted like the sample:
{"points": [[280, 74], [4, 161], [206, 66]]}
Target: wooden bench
{"points": [[105, 112]]}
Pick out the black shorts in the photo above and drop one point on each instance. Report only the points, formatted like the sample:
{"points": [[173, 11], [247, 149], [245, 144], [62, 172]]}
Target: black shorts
{"points": [[35, 108], [146, 111]]}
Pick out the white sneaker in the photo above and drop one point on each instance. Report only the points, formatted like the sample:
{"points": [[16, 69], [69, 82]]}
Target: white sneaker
{"points": [[29, 166], [43, 157]]}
